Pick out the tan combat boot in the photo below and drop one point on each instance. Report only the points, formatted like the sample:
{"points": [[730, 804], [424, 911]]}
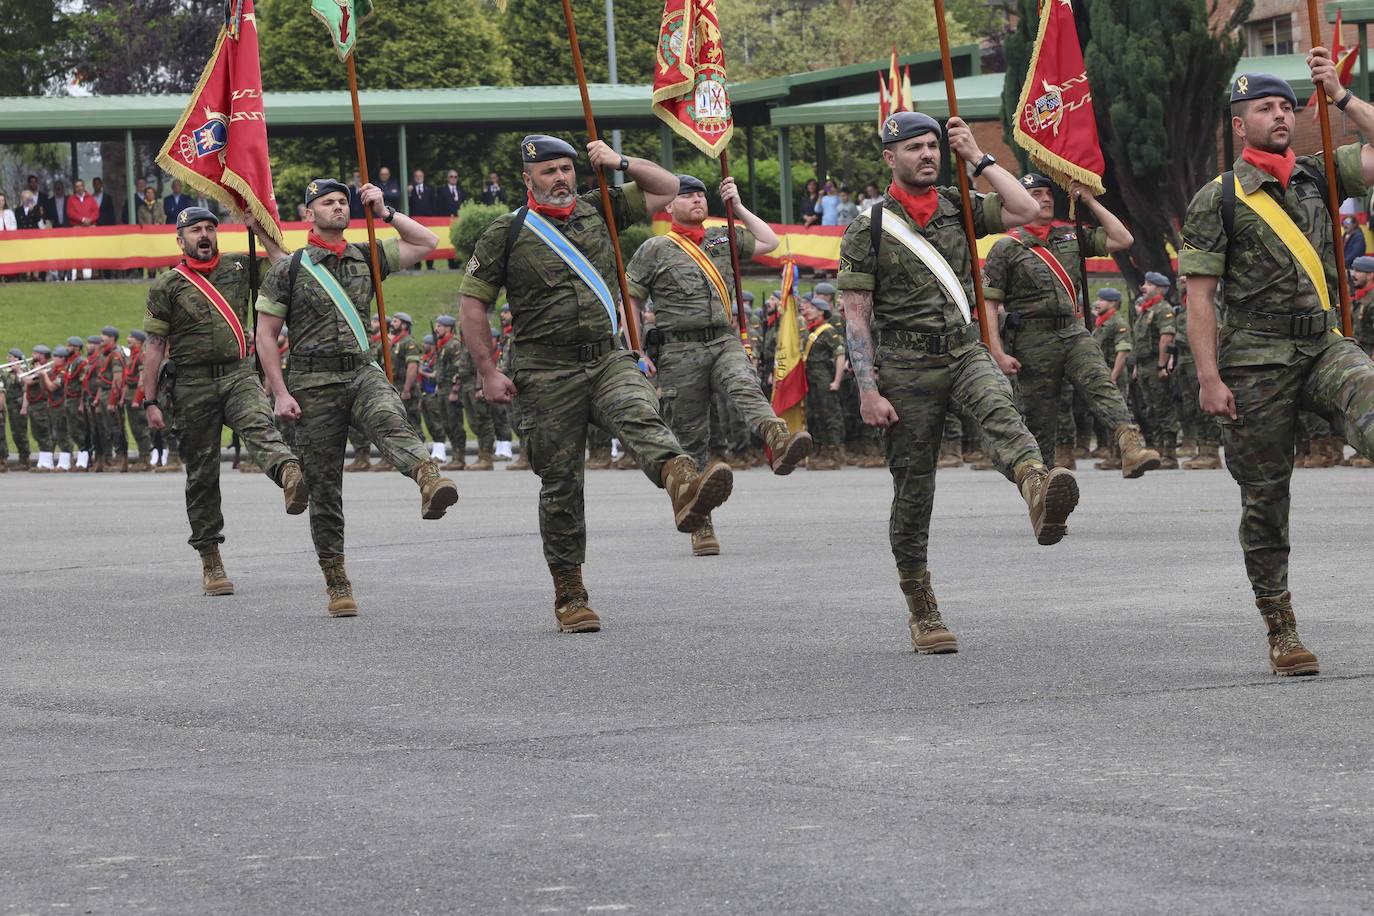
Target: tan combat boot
{"points": [[5, 465], [1208, 458], [338, 588], [521, 462], [382, 466], [294, 489], [1168, 456], [1051, 496], [950, 454], [141, 466], [570, 606], [212, 575], [360, 462], [483, 462], [436, 493], [929, 635], [736, 461], [1287, 655], [599, 460], [695, 495], [123, 464], [782, 448], [1113, 460], [1319, 454], [1064, 457], [1131, 454], [1187, 446], [704, 541], [1360, 461], [249, 466], [822, 459], [1083, 447], [973, 455], [628, 462], [1335, 446]]}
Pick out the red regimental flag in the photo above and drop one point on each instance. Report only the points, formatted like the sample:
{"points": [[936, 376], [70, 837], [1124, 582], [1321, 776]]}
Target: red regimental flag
{"points": [[690, 93], [1345, 63], [1055, 122], [219, 145]]}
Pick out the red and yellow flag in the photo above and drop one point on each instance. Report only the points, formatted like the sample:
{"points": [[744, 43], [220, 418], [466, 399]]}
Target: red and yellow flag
{"points": [[690, 94], [1055, 122], [789, 372], [894, 93], [219, 145], [1345, 62]]}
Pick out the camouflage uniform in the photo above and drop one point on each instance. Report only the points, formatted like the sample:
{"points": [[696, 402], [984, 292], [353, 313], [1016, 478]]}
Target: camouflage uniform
{"points": [[1362, 318], [58, 432], [14, 402], [214, 387], [1154, 396], [77, 426], [930, 362], [569, 369], [109, 361], [431, 401], [1277, 351], [451, 352], [337, 383], [477, 409], [1203, 428], [404, 351], [133, 400], [702, 359], [821, 350], [40, 418], [1045, 331]]}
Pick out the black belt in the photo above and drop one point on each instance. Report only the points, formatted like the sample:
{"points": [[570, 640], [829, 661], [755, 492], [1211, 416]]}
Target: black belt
{"points": [[703, 335], [344, 362], [1310, 324], [211, 370], [935, 344], [1059, 322], [571, 353]]}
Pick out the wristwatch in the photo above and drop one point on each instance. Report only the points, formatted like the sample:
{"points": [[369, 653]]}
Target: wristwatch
{"points": [[390, 214], [983, 163], [624, 165], [1345, 99], [151, 402]]}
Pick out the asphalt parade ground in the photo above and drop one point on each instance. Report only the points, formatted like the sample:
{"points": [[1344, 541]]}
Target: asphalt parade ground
{"points": [[750, 733]]}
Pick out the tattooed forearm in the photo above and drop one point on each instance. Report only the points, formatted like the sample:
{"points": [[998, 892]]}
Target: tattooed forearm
{"points": [[858, 312]]}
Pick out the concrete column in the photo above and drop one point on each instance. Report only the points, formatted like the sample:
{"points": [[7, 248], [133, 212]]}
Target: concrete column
{"points": [[785, 174], [403, 165]]}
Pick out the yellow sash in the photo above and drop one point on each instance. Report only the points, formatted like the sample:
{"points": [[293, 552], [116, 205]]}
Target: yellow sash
{"points": [[707, 266], [811, 340], [1298, 245]]}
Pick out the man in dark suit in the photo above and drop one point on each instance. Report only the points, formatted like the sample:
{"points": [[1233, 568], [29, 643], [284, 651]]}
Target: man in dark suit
{"points": [[492, 192], [106, 201], [391, 188], [421, 196], [174, 203], [451, 196]]}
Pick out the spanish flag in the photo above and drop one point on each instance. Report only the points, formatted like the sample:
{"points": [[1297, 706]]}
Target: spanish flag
{"points": [[789, 373]]}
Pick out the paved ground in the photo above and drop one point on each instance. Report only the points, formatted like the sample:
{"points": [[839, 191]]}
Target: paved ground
{"points": [[750, 733]]}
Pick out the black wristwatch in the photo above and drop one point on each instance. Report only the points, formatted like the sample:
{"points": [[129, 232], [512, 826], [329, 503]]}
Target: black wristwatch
{"points": [[983, 163], [390, 214], [151, 402], [624, 165], [1345, 99]]}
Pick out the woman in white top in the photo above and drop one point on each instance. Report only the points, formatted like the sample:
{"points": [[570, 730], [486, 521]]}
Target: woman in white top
{"points": [[7, 223]]}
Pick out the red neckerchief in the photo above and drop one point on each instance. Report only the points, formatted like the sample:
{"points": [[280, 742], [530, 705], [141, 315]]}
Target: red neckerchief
{"points": [[337, 247], [1364, 290], [132, 368], [772, 319], [1280, 165], [1149, 303], [374, 338], [920, 207], [695, 236], [1104, 317], [812, 325], [202, 267], [506, 329], [558, 213], [1042, 232], [399, 337], [443, 339]]}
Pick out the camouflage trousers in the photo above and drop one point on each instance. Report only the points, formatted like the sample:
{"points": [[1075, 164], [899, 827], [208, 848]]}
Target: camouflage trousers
{"points": [[1049, 359], [598, 440], [703, 381], [77, 427], [58, 430], [500, 421], [1338, 383], [138, 429], [557, 403], [204, 406], [479, 417], [455, 427], [358, 439], [1154, 402], [432, 410], [858, 435], [369, 403], [824, 413], [40, 424], [924, 389], [19, 428], [113, 440], [1203, 428], [1076, 418]]}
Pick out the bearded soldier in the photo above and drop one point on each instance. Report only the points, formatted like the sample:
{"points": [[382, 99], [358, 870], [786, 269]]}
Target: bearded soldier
{"points": [[107, 389], [431, 405], [1263, 232], [324, 292], [197, 315], [136, 395], [449, 354], [1047, 346], [75, 414], [405, 370], [687, 274], [906, 280], [552, 256], [1152, 352]]}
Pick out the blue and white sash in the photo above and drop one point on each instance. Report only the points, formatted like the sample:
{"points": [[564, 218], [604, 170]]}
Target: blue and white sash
{"points": [[550, 235]]}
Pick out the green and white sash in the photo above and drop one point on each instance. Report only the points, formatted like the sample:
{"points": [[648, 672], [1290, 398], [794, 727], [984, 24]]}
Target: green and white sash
{"points": [[342, 302]]}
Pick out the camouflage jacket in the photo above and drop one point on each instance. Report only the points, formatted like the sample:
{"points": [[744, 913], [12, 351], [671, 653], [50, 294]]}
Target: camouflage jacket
{"points": [[684, 299], [110, 368], [1017, 277], [1114, 337], [196, 333], [821, 348], [404, 351], [450, 354], [1362, 317], [549, 304], [1148, 325], [906, 295]]}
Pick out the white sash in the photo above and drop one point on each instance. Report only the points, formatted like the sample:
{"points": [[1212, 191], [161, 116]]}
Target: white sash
{"points": [[932, 259]]}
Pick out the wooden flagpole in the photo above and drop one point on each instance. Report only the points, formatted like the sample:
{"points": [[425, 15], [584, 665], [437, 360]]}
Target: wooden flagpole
{"points": [[734, 260], [631, 319], [1333, 203], [964, 193], [367, 213]]}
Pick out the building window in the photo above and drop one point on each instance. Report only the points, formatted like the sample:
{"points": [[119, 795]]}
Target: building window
{"points": [[1269, 37]]}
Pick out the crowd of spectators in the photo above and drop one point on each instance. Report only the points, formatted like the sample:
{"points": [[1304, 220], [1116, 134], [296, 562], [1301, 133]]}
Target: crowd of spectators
{"points": [[55, 208], [830, 204]]}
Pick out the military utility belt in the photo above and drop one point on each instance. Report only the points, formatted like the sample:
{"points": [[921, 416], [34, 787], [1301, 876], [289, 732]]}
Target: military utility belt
{"points": [[1058, 322], [344, 362], [703, 335], [572, 353], [1308, 325], [211, 370], [934, 344]]}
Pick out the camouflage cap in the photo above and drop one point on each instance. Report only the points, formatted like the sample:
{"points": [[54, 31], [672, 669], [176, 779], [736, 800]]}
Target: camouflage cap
{"points": [[907, 124], [322, 186], [542, 148], [192, 215], [1250, 86]]}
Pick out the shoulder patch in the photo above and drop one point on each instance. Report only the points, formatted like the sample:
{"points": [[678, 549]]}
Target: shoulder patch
{"points": [[472, 265], [845, 264]]}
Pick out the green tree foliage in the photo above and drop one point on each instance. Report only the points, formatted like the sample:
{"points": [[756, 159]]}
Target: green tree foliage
{"points": [[29, 30], [153, 46], [537, 38], [473, 219]]}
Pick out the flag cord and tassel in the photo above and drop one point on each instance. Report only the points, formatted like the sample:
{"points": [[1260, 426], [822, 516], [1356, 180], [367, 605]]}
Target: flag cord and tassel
{"points": [[367, 214], [964, 193], [1332, 191], [734, 261], [631, 318]]}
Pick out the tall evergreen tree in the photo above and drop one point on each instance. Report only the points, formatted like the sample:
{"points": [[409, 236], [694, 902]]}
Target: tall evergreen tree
{"points": [[30, 31], [537, 39]]}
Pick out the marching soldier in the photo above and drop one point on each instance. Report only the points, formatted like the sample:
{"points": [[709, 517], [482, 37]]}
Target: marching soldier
{"points": [[907, 286], [14, 404], [57, 412], [72, 407], [824, 357], [1263, 233], [95, 426], [134, 398], [569, 368], [1153, 350], [324, 292], [1047, 346], [1362, 301], [1204, 428], [38, 385], [449, 354], [431, 404], [688, 275], [197, 316], [108, 391], [476, 407], [1113, 338], [362, 449], [405, 372]]}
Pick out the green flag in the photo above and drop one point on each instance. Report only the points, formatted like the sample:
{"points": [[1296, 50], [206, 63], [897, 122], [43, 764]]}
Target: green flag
{"points": [[342, 18]]}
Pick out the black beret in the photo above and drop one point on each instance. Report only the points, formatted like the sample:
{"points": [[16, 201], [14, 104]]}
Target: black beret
{"points": [[193, 215], [322, 186], [907, 124], [688, 184], [110, 331], [136, 334], [62, 352], [42, 350], [540, 148], [1250, 86], [1109, 294], [16, 353], [447, 321], [1035, 180], [93, 339], [72, 341]]}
